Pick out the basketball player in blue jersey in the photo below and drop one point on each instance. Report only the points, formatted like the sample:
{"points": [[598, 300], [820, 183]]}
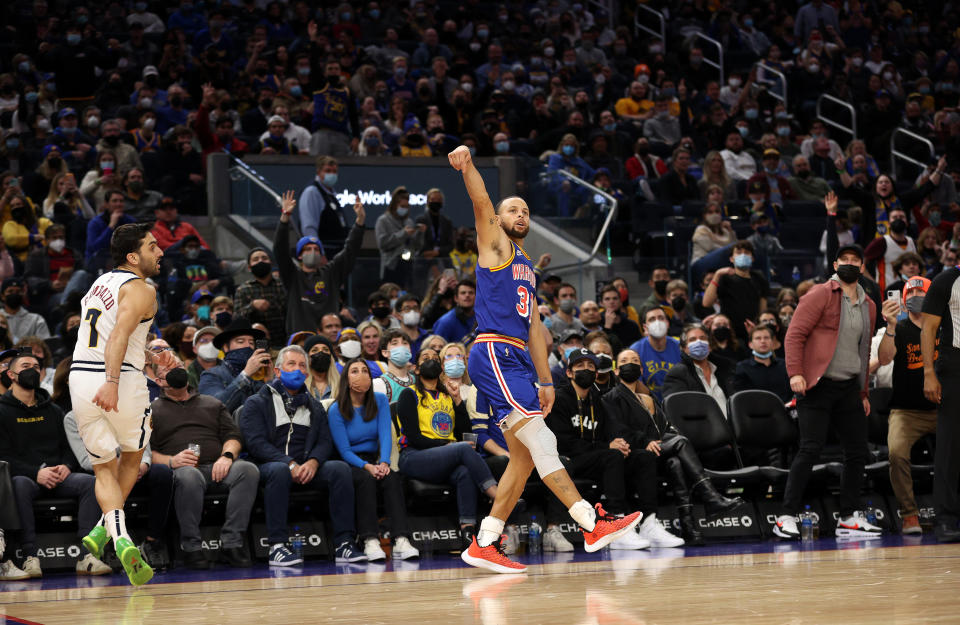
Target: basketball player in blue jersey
{"points": [[507, 362]]}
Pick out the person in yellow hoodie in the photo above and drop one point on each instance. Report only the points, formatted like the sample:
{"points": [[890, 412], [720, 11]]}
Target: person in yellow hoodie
{"points": [[24, 230]]}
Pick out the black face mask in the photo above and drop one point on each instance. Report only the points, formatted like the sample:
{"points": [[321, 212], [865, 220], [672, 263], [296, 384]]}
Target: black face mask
{"points": [[176, 100], [29, 379], [630, 372], [380, 312], [54, 162], [848, 273], [113, 140], [898, 226], [678, 303], [643, 150], [177, 378], [14, 300], [261, 269], [660, 286], [223, 319], [722, 333], [320, 362], [5, 379], [434, 206], [584, 378], [430, 369]]}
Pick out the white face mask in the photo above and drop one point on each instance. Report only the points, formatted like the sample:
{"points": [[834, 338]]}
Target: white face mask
{"points": [[57, 245], [350, 349], [713, 218], [411, 318], [207, 351], [657, 329]]}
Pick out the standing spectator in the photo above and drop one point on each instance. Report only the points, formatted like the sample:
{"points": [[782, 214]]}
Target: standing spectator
{"points": [[741, 291], [827, 353], [700, 370], [313, 287], [815, 15], [658, 352], [911, 414], [319, 211], [140, 202], [438, 236], [883, 252], [763, 371], [169, 228], [615, 319], [336, 128], [181, 418], [288, 436], [244, 369], [222, 138], [361, 429], [459, 321], [20, 321], [263, 299], [398, 239]]}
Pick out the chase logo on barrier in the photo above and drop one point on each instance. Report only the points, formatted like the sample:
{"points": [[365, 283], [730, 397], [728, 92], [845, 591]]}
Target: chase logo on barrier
{"points": [[57, 550], [314, 538]]}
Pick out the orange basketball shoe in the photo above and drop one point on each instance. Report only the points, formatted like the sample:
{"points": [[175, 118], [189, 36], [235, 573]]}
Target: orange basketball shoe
{"points": [[491, 558], [608, 529]]}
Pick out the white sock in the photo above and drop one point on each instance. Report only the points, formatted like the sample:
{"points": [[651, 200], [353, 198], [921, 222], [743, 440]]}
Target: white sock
{"points": [[584, 514], [116, 524], [490, 530]]}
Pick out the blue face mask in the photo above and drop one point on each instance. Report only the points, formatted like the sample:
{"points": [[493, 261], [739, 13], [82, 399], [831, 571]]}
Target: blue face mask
{"points": [[13, 144], [698, 349], [237, 358], [610, 127], [568, 150], [32, 96], [743, 261], [296, 91], [502, 147], [934, 219], [751, 113], [454, 368], [203, 312], [372, 142], [762, 355], [292, 380], [24, 66], [743, 131], [763, 230], [473, 151], [374, 14], [783, 131], [330, 179], [74, 38], [400, 355]]}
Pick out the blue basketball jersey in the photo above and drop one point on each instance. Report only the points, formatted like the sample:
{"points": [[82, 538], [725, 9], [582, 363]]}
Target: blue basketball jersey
{"points": [[506, 296], [330, 109]]}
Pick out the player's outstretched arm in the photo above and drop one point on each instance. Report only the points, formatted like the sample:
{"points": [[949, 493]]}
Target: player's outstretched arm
{"points": [[489, 231]]}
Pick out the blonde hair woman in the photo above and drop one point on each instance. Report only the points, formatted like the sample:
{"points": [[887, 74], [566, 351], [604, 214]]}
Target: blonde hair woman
{"points": [[63, 188], [715, 173], [323, 378]]}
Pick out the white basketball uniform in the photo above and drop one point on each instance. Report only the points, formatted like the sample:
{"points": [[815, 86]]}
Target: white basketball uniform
{"points": [[129, 427]]}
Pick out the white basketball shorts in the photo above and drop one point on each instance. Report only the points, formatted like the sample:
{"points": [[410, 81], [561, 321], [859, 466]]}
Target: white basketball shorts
{"points": [[103, 432]]}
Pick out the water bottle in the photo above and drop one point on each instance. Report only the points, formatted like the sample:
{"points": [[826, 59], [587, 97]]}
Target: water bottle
{"points": [[806, 524], [871, 514], [296, 543], [795, 275], [534, 537]]}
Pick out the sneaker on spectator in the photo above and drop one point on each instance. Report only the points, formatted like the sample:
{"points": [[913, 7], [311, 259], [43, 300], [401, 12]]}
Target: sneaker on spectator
{"points": [[653, 531], [511, 541], [89, 565], [155, 554], [281, 556], [911, 525], [629, 541], [857, 526], [555, 541], [786, 527], [32, 567], [466, 537], [349, 552], [403, 549], [9, 572], [607, 529], [371, 549]]}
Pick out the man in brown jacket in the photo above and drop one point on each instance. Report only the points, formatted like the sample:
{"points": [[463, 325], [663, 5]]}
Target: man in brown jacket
{"points": [[827, 354]]}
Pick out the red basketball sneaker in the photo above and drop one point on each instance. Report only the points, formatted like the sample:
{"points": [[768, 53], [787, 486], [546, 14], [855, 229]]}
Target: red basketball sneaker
{"points": [[491, 558], [608, 529]]}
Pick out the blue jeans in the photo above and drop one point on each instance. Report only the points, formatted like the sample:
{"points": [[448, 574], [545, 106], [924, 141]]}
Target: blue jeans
{"points": [[157, 486], [79, 486], [457, 464], [277, 480]]}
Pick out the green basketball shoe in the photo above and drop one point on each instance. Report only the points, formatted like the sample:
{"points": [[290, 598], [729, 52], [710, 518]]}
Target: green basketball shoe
{"points": [[96, 540], [134, 564]]}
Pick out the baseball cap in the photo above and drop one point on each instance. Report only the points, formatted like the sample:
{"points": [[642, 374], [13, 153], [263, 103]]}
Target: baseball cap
{"points": [[569, 333], [757, 186], [771, 152], [274, 119], [199, 295], [581, 354], [916, 282], [67, 112], [856, 249], [150, 70]]}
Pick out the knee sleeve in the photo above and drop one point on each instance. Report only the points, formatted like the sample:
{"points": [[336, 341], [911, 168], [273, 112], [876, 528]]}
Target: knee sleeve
{"points": [[542, 445]]}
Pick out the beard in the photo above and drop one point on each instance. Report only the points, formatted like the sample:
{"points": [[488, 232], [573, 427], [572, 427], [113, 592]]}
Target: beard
{"points": [[517, 233]]}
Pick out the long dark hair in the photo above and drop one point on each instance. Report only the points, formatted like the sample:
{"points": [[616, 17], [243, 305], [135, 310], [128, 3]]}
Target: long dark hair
{"points": [[345, 402], [418, 381]]}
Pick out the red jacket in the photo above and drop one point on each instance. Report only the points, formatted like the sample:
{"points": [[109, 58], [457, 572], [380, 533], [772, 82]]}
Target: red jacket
{"points": [[812, 334], [167, 236]]}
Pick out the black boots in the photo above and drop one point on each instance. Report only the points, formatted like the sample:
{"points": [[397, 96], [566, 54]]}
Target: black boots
{"points": [[689, 530], [715, 503]]}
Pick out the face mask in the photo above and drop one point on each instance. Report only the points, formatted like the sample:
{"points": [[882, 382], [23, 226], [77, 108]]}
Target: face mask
{"points": [[584, 378], [400, 72], [744, 131], [467, 87], [656, 48], [223, 319], [721, 333], [509, 85], [261, 269], [660, 286], [502, 147], [57, 245], [813, 68], [783, 131], [430, 369], [371, 142], [237, 358], [762, 355], [411, 318], [751, 113], [454, 368], [888, 75], [924, 89], [320, 362], [93, 121], [68, 130], [311, 260], [630, 372], [380, 311], [604, 363], [915, 304], [848, 273], [303, 71], [568, 305], [403, 211], [13, 144], [857, 61], [29, 379], [568, 150], [743, 261], [483, 33], [400, 355], [350, 349], [203, 312], [32, 97], [192, 253], [14, 300], [898, 226], [696, 60], [208, 352], [549, 51], [292, 380], [657, 329], [74, 38], [698, 350], [107, 164], [713, 219], [146, 103], [330, 179], [678, 303], [177, 378]]}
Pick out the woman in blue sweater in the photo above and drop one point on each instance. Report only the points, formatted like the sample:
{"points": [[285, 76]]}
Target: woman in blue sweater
{"points": [[360, 426]]}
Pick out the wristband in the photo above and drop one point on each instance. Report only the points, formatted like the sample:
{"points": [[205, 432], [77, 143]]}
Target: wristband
{"points": [[542, 384], [840, 171], [893, 336], [714, 283]]}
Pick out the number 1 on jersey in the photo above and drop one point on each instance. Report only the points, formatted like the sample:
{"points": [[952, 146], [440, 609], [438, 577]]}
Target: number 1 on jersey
{"points": [[93, 315], [523, 308]]}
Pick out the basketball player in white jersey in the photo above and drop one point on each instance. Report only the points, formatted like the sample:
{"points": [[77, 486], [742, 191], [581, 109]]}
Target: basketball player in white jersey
{"points": [[108, 388]]}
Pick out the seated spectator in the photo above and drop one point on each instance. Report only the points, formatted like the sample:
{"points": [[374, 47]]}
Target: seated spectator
{"points": [[223, 138], [191, 267], [741, 290], [599, 345], [431, 417], [565, 342], [643, 164], [763, 371], [589, 437], [20, 321], [778, 189], [460, 320], [360, 425], [615, 320], [657, 351], [323, 378], [407, 309], [63, 199], [723, 341], [34, 443], [111, 137], [764, 242], [348, 347], [683, 312], [381, 315], [182, 418], [54, 270], [678, 185], [221, 311], [169, 228], [101, 228], [564, 318], [41, 351], [807, 187], [882, 253], [102, 178], [396, 351], [643, 426], [370, 333], [244, 369], [263, 299], [330, 326], [297, 136], [712, 238], [715, 174], [907, 265], [24, 231], [274, 140], [663, 129], [288, 436], [567, 157], [208, 355], [140, 203], [737, 161], [700, 370]]}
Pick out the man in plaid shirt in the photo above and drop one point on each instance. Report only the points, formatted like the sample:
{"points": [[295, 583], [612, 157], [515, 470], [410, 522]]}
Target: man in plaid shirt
{"points": [[263, 299]]}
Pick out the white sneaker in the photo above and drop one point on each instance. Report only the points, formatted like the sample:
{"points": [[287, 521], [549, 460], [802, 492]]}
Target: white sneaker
{"points": [[857, 526], [554, 540], [652, 530], [89, 565], [10, 573], [512, 542], [371, 549], [403, 549], [786, 527], [32, 566], [630, 540]]}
